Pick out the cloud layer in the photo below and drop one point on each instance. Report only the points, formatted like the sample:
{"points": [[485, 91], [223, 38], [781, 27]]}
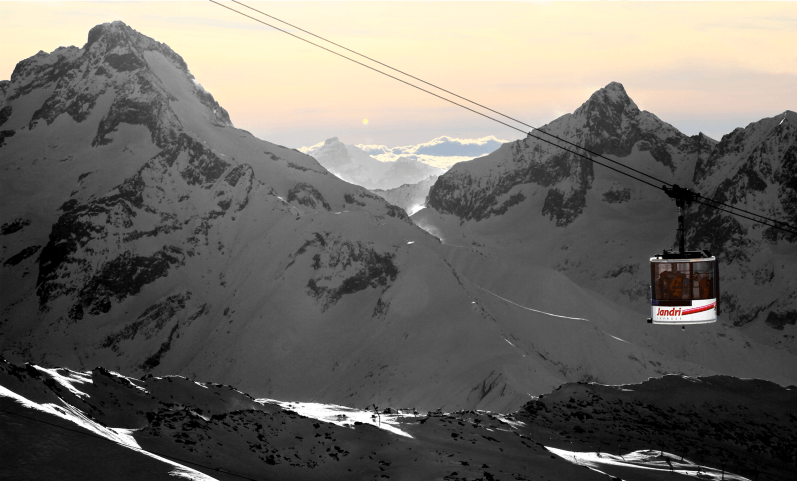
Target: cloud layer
{"points": [[441, 152]]}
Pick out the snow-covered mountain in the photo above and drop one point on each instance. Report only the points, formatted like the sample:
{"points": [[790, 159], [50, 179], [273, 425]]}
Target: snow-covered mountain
{"points": [[143, 233], [352, 164], [410, 197], [99, 424], [531, 202], [755, 169], [608, 123]]}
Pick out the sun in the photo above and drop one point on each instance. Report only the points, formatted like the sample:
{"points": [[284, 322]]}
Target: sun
{"points": [[365, 121]]}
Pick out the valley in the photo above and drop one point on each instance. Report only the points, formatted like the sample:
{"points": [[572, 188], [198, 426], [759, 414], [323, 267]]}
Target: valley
{"points": [[152, 255]]}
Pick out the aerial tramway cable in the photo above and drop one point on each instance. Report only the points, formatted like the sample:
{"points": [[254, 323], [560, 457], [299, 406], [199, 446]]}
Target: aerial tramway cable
{"points": [[774, 223]]}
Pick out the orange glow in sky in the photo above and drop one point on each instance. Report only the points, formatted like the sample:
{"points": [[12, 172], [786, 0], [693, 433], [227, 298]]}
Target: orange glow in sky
{"points": [[706, 67]]}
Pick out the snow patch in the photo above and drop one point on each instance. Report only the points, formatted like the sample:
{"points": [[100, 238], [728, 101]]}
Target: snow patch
{"points": [[341, 415], [649, 460], [415, 208]]}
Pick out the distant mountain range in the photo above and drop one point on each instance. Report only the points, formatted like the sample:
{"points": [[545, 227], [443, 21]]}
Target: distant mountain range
{"points": [[352, 164], [142, 232], [441, 152]]}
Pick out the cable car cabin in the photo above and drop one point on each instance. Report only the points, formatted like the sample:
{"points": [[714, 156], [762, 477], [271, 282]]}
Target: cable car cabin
{"points": [[684, 288]]}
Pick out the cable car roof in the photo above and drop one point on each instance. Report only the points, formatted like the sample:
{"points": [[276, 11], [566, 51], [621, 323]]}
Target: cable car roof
{"points": [[686, 256]]}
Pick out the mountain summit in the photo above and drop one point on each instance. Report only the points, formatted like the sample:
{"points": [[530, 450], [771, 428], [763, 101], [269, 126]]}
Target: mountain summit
{"points": [[608, 123], [599, 227], [354, 165], [116, 65], [142, 232]]}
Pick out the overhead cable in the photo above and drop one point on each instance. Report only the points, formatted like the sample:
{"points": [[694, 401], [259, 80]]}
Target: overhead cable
{"points": [[790, 229], [495, 111], [449, 92]]}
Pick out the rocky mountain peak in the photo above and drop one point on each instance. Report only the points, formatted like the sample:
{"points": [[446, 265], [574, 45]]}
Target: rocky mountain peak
{"points": [[333, 140], [116, 30], [606, 107], [609, 123], [122, 48], [704, 137], [130, 69]]}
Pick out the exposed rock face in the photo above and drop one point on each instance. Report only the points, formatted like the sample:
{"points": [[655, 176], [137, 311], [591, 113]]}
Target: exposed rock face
{"points": [[14, 226], [753, 169], [609, 123], [113, 59], [156, 209], [117, 225], [586, 221], [343, 267]]}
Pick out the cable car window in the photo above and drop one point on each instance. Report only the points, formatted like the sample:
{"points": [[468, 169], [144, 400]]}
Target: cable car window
{"points": [[703, 280], [672, 281], [665, 281], [681, 281], [675, 281]]}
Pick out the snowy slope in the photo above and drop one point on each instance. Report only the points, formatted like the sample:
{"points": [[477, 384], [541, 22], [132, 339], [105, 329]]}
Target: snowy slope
{"points": [[142, 232], [714, 427], [532, 204], [352, 164], [410, 197]]}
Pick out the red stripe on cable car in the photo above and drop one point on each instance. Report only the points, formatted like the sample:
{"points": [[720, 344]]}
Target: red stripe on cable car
{"points": [[699, 309]]}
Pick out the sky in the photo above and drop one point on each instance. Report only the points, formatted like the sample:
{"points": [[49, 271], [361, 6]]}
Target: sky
{"points": [[707, 67]]}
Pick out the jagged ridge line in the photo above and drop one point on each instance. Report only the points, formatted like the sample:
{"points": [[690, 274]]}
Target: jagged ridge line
{"points": [[447, 100], [499, 113], [448, 91], [495, 111]]}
